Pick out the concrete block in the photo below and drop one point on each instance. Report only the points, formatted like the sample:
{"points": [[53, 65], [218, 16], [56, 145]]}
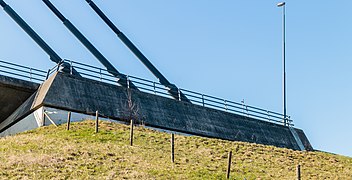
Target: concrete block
{"points": [[77, 94]]}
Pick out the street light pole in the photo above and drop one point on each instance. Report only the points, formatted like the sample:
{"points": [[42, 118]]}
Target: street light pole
{"points": [[282, 4]]}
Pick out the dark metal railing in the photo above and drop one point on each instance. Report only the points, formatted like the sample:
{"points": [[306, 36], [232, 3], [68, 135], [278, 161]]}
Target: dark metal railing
{"points": [[148, 86], [204, 100], [23, 72]]}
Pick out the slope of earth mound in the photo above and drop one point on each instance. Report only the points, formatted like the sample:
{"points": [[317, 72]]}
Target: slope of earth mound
{"points": [[55, 153]]}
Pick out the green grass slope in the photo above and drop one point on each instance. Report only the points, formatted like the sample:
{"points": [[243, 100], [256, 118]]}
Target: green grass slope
{"points": [[54, 153]]}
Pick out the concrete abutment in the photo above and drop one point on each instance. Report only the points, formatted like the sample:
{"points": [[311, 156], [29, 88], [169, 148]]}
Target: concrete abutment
{"points": [[84, 96]]}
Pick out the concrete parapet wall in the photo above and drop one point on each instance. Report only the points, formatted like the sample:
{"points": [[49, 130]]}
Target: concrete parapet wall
{"points": [[67, 92]]}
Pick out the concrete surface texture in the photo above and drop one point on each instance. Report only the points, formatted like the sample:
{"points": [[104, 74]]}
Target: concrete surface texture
{"points": [[77, 94], [13, 93]]}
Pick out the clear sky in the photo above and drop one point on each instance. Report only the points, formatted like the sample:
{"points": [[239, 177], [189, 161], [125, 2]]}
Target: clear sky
{"points": [[230, 49]]}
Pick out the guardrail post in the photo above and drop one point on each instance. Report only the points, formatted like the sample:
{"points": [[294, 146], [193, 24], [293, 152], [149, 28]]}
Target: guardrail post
{"points": [[30, 74], [154, 87], [203, 100], [47, 74], [58, 66], [71, 68], [179, 94], [101, 78], [268, 115], [225, 102], [287, 123], [247, 111], [243, 106], [128, 82], [288, 120]]}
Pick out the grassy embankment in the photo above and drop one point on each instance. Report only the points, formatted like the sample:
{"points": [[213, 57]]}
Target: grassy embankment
{"points": [[54, 153]]}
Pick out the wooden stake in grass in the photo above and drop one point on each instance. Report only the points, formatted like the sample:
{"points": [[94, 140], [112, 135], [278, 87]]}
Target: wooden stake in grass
{"points": [[68, 120], [229, 166], [96, 121], [172, 147], [298, 172], [131, 133]]}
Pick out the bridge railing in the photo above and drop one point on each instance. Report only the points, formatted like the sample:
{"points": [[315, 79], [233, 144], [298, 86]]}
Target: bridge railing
{"points": [[99, 74], [197, 98], [22, 72]]}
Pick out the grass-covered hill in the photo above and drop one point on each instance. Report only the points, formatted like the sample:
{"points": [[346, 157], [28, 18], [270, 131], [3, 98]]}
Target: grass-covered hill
{"points": [[54, 153]]}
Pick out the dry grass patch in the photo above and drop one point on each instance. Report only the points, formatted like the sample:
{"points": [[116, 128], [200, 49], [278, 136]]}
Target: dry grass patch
{"points": [[54, 153]]}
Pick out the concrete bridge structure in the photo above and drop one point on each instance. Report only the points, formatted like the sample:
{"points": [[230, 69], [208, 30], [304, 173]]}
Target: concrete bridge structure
{"points": [[13, 93], [24, 103]]}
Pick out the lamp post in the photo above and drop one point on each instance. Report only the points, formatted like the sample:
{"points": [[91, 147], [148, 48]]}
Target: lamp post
{"points": [[282, 4]]}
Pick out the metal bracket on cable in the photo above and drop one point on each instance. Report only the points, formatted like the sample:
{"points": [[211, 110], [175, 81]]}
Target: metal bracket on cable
{"points": [[109, 67]]}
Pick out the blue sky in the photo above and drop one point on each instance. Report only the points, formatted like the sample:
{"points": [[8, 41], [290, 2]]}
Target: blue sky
{"points": [[229, 49]]}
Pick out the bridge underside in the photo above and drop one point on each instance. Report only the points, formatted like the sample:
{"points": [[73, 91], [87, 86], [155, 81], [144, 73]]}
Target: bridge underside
{"points": [[81, 95], [13, 93]]}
